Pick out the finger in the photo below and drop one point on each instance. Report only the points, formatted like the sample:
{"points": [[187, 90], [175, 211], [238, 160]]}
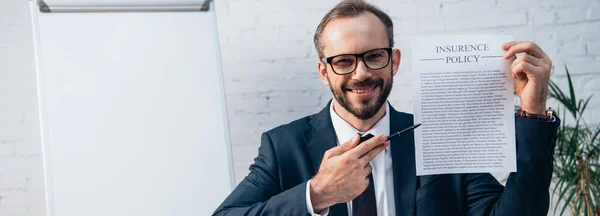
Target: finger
{"points": [[340, 149], [365, 183], [507, 45], [367, 170], [512, 48], [366, 146], [522, 67], [542, 66], [369, 156], [529, 59]]}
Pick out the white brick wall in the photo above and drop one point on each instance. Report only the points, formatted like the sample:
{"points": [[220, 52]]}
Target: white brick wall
{"points": [[21, 173], [269, 66], [269, 62]]}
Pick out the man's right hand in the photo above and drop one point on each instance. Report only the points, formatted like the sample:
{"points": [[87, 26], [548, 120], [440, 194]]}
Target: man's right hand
{"points": [[344, 172]]}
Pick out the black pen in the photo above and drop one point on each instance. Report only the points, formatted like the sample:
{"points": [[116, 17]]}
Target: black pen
{"points": [[403, 131]]}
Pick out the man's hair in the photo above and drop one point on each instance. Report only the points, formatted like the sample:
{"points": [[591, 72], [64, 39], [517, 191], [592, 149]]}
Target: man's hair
{"points": [[352, 8]]}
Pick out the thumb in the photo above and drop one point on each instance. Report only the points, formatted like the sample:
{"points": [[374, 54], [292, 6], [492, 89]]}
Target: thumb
{"points": [[338, 150]]}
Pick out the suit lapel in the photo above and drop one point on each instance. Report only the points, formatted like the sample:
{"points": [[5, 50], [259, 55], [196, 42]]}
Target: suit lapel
{"points": [[403, 163], [320, 138]]}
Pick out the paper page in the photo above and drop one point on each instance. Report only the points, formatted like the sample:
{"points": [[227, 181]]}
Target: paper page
{"points": [[463, 96]]}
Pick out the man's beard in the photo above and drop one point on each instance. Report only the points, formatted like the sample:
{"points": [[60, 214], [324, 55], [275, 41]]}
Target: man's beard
{"points": [[366, 109]]}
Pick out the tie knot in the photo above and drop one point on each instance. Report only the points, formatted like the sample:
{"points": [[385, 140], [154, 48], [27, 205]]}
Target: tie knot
{"points": [[365, 137]]}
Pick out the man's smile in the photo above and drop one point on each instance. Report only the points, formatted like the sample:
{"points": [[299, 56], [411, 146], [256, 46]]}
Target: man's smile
{"points": [[364, 92]]}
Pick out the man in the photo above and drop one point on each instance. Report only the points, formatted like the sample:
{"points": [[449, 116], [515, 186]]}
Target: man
{"points": [[315, 165]]}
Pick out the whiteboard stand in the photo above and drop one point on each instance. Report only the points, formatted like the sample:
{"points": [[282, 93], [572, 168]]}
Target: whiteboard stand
{"points": [[132, 112]]}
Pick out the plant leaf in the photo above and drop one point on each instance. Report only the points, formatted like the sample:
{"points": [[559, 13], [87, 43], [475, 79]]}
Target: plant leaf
{"points": [[568, 200], [581, 109], [571, 89], [563, 191], [558, 94]]}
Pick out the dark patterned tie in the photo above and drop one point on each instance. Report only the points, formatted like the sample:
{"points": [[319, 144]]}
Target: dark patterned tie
{"points": [[364, 204]]}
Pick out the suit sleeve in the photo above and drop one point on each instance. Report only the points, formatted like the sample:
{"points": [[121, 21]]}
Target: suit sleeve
{"points": [[526, 191], [260, 194]]}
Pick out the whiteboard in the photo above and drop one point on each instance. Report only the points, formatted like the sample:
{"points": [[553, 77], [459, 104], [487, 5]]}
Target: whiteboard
{"points": [[132, 111]]}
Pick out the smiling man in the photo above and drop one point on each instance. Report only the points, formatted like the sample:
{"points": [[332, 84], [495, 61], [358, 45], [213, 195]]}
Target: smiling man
{"points": [[316, 166]]}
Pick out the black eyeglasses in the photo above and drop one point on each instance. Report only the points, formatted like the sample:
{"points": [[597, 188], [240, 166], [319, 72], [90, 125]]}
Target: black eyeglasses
{"points": [[374, 59]]}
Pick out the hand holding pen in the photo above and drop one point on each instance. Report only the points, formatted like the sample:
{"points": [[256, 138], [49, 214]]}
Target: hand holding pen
{"points": [[343, 172]]}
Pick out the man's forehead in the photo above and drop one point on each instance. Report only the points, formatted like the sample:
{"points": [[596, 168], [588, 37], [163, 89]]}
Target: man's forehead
{"points": [[354, 35]]}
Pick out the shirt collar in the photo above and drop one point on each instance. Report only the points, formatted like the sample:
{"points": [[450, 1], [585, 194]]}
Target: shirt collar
{"points": [[344, 131]]}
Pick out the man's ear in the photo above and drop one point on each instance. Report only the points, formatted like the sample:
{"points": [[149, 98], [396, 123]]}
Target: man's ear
{"points": [[396, 56], [322, 67]]}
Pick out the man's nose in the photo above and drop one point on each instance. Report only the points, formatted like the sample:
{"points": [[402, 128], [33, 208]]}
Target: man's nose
{"points": [[362, 72]]}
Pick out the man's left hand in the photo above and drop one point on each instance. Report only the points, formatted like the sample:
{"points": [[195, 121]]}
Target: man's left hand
{"points": [[531, 72]]}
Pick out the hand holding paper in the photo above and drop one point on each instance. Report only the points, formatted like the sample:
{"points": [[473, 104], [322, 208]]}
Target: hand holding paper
{"points": [[464, 97], [531, 71]]}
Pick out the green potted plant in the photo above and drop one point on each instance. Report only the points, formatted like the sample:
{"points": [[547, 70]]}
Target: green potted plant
{"points": [[576, 161]]}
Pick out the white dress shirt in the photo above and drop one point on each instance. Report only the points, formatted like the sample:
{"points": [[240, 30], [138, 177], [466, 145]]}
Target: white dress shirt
{"points": [[382, 165]]}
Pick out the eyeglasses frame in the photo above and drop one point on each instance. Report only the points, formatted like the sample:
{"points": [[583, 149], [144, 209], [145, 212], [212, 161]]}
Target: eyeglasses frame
{"points": [[328, 60]]}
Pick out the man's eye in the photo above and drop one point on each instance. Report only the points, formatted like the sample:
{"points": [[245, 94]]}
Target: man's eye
{"points": [[343, 61], [374, 56]]}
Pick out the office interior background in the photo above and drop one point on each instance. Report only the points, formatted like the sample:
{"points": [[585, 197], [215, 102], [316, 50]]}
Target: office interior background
{"points": [[269, 68]]}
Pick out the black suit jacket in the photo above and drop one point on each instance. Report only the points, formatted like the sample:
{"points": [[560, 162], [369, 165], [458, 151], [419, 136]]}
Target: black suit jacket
{"points": [[290, 155]]}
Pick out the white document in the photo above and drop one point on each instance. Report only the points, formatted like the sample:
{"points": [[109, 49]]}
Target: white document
{"points": [[463, 96]]}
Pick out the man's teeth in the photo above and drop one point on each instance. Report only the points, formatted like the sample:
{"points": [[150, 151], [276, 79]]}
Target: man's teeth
{"points": [[360, 91]]}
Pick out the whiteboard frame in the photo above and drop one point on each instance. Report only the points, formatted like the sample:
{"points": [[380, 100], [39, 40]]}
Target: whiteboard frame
{"points": [[43, 116], [44, 7]]}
